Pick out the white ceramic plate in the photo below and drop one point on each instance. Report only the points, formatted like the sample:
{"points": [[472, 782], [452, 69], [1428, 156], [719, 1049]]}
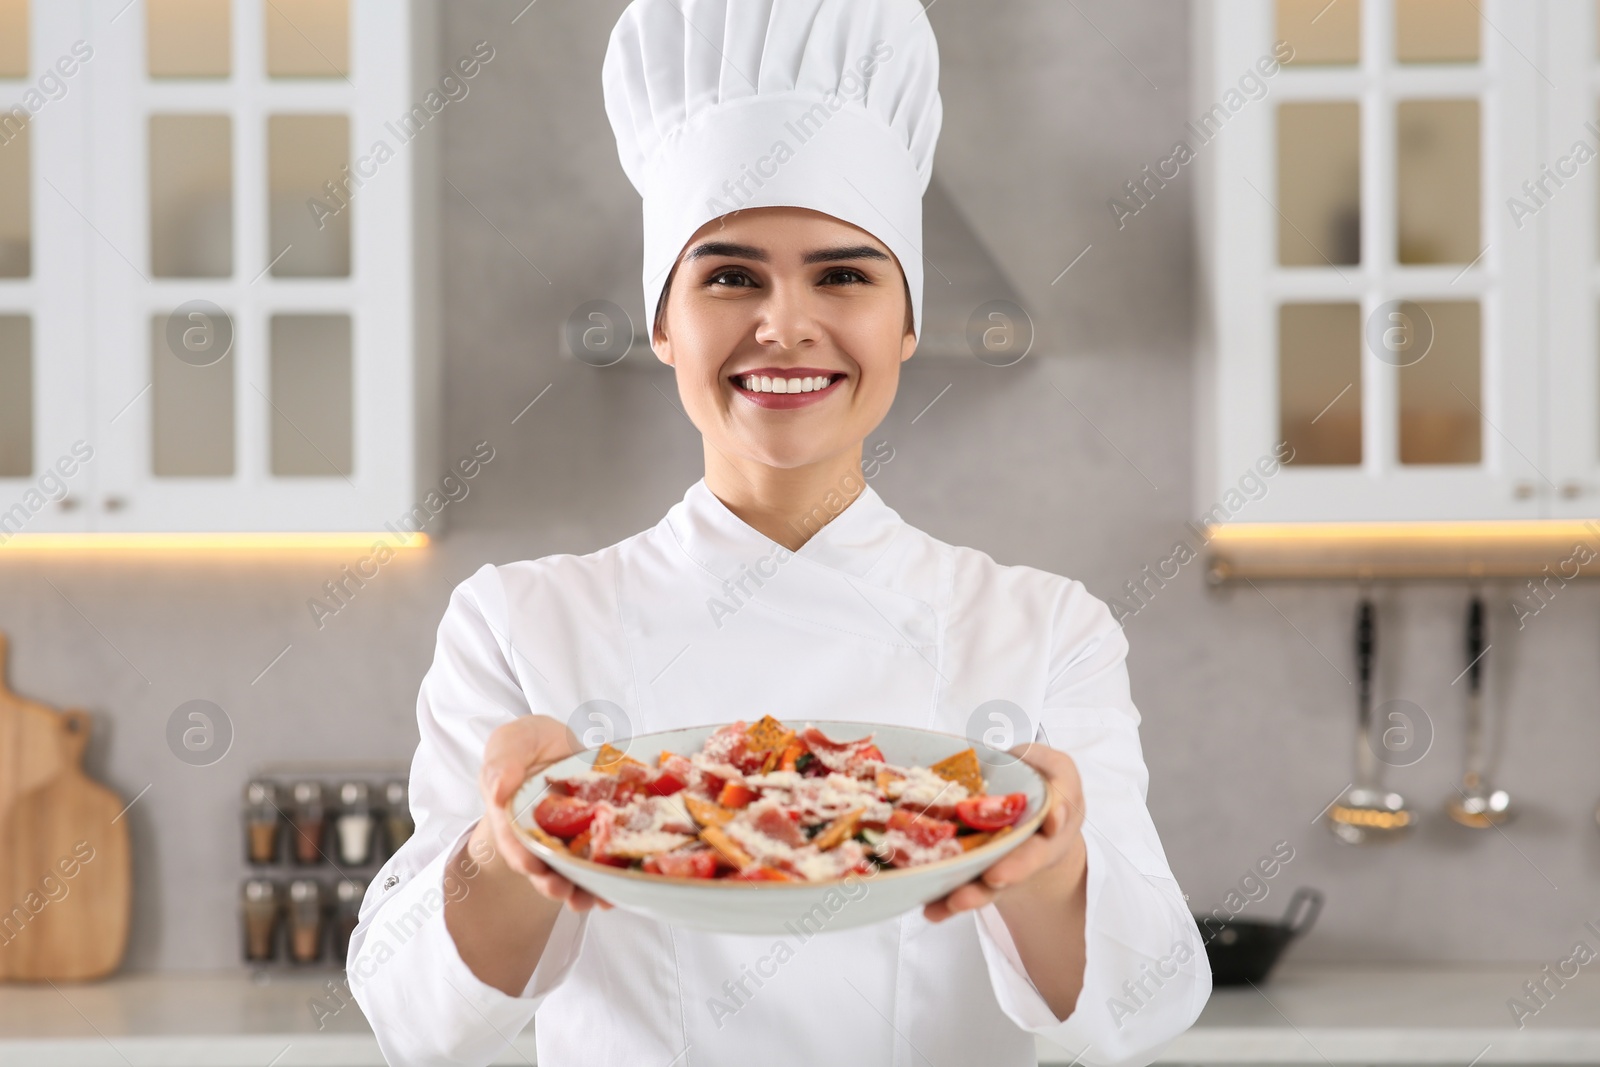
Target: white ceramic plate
{"points": [[728, 906]]}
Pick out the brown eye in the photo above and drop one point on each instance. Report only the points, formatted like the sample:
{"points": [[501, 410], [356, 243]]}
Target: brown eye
{"points": [[717, 278], [844, 276]]}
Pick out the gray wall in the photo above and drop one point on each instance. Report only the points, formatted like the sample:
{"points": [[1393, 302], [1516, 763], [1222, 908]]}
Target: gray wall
{"points": [[1247, 717]]}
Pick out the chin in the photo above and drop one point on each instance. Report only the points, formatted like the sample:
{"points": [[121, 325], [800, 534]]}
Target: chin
{"points": [[789, 455], [787, 460]]}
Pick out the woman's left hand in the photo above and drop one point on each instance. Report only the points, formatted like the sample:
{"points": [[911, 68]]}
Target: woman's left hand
{"points": [[1052, 860]]}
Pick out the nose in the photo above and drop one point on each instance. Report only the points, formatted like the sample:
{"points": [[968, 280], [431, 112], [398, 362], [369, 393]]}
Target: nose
{"points": [[787, 317]]}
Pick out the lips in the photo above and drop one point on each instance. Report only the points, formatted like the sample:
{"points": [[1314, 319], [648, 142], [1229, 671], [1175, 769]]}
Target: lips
{"points": [[785, 387]]}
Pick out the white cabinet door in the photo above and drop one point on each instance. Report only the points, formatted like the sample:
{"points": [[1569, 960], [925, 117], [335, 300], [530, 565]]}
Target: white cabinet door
{"points": [[253, 327], [1345, 189], [45, 240], [1564, 216]]}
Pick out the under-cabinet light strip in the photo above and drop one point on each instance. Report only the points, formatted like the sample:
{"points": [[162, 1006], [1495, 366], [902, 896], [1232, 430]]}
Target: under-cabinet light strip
{"points": [[1558, 549]]}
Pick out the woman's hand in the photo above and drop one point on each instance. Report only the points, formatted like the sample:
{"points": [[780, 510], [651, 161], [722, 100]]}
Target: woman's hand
{"points": [[515, 751], [1051, 862]]}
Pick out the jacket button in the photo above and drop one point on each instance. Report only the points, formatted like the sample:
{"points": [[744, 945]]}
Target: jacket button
{"points": [[391, 881]]}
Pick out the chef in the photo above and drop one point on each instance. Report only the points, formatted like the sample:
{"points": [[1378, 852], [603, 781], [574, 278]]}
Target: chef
{"points": [[782, 148]]}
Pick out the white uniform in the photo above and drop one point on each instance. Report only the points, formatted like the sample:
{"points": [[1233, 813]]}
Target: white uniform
{"points": [[704, 620]]}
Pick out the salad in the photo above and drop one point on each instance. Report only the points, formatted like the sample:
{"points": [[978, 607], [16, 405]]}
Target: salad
{"points": [[762, 802]]}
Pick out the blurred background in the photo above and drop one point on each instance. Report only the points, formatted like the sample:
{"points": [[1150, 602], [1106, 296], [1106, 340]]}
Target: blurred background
{"points": [[287, 270]]}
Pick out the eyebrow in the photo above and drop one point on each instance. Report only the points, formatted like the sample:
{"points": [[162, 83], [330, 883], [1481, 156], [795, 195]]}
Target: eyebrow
{"points": [[822, 255]]}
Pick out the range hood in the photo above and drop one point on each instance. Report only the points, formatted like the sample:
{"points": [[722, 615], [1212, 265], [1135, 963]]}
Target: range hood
{"points": [[960, 275]]}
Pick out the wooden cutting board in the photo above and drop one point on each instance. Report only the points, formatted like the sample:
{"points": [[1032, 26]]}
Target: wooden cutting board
{"points": [[65, 869]]}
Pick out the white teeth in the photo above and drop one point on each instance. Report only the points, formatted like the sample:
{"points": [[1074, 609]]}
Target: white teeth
{"points": [[763, 384]]}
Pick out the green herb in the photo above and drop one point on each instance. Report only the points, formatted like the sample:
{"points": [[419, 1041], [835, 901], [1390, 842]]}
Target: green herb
{"points": [[806, 759]]}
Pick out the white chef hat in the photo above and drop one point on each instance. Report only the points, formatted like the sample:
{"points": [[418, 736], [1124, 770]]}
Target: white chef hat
{"points": [[721, 105]]}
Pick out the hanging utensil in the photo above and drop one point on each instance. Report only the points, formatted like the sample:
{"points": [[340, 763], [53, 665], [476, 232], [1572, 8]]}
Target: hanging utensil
{"points": [[1366, 813], [1475, 804]]}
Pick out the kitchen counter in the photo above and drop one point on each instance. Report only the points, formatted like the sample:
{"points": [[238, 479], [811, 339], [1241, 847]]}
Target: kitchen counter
{"points": [[1394, 1015], [1314, 1015]]}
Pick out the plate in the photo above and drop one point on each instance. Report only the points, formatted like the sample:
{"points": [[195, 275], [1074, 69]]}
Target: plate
{"points": [[727, 906]]}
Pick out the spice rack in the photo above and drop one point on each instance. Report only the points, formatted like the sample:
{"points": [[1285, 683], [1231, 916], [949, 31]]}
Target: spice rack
{"points": [[312, 837]]}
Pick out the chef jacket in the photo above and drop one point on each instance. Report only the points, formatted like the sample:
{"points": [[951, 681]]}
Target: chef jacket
{"points": [[702, 619]]}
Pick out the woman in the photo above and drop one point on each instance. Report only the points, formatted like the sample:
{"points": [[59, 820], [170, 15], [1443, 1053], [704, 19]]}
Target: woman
{"points": [[782, 148]]}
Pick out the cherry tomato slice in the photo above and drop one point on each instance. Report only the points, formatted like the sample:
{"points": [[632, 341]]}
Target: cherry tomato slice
{"points": [[760, 873], [923, 830], [870, 752], [991, 811], [665, 783], [564, 817], [747, 761]]}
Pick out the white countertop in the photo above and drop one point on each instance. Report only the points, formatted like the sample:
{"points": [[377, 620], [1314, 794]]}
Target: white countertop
{"points": [[1317, 1015]]}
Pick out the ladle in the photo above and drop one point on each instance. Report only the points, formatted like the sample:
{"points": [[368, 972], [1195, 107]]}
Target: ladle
{"points": [[1366, 813], [1475, 803]]}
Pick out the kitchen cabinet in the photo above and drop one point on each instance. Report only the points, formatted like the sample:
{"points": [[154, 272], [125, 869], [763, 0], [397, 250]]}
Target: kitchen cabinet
{"points": [[1398, 244], [222, 278]]}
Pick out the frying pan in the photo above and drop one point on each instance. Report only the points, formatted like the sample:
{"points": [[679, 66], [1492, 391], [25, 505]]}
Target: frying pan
{"points": [[1243, 951]]}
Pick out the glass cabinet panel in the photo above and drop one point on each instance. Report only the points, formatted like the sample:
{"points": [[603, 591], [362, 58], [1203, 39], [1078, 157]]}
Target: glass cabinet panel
{"points": [[1437, 181], [191, 196], [312, 395], [13, 38], [16, 396], [197, 154], [192, 409], [1436, 31], [16, 198], [1441, 394], [188, 38], [1321, 31], [1319, 383], [304, 153], [1319, 184], [308, 38]]}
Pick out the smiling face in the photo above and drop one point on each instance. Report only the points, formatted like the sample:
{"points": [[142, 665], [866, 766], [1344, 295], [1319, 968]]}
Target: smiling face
{"points": [[787, 328]]}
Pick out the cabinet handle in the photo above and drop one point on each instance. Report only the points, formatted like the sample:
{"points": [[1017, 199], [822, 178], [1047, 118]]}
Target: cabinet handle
{"points": [[114, 503], [1524, 490], [68, 503], [1571, 490]]}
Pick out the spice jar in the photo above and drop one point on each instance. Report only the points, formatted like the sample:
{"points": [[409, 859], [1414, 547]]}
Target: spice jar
{"points": [[259, 909], [354, 824], [263, 822], [398, 826], [305, 920], [348, 895], [310, 821]]}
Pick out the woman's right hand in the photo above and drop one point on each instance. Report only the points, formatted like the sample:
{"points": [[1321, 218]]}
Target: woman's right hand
{"points": [[515, 751]]}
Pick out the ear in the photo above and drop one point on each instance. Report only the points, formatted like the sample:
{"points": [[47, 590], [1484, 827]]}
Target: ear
{"points": [[661, 344], [908, 345]]}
